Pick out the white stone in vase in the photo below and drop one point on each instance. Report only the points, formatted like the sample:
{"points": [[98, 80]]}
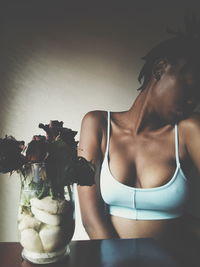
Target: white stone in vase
{"points": [[46, 217], [29, 222], [52, 206], [52, 237], [30, 240]]}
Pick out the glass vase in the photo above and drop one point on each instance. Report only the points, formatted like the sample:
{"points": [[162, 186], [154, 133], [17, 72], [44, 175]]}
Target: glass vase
{"points": [[45, 219]]}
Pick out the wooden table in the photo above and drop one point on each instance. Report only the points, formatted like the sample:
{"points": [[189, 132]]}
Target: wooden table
{"points": [[98, 253]]}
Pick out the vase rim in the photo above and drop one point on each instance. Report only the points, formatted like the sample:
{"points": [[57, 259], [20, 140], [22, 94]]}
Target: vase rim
{"points": [[35, 163]]}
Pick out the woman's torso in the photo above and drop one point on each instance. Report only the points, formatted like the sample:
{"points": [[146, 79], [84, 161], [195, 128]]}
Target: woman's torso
{"points": [[143, 161]]}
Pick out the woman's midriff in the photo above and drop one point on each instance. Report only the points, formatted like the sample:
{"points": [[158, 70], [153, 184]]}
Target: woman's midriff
{"points": [[173, 234], [164, 231]]}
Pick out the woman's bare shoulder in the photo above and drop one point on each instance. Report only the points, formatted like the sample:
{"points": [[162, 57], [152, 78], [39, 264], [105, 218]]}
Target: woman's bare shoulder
{"points": [[190, 127], [191, 123], [94, 118], [91, 135], [95, 114]]}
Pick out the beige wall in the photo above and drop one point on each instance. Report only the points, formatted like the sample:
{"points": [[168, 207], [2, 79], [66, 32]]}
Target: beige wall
{"points": [[60, 62]]}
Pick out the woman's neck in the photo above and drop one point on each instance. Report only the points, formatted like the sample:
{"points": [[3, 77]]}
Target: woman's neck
{"points": [[143, 114]]}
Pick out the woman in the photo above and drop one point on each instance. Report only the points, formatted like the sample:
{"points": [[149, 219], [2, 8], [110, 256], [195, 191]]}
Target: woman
{"points": [[143, 155]]}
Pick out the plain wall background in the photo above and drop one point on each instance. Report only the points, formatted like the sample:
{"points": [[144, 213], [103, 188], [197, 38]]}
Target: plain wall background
{"points": [[59, 60]]}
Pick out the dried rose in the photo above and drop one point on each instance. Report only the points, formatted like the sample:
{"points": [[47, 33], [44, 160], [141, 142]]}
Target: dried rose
{"points": [[52, 129], [37, 149], [10, 154], [55, 130]]}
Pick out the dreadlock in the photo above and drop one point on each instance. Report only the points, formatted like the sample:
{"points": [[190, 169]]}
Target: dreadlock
{"points": [[183, 44]]}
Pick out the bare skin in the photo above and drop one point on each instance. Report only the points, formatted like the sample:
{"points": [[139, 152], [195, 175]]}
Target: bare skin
{"points": [[138, 136]]}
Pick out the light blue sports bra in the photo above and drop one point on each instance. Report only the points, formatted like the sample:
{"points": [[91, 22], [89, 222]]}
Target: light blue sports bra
{"points": [[163, 202]]}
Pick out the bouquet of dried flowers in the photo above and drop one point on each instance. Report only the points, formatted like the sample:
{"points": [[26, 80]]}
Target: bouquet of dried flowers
{"points": [[57, 150]]}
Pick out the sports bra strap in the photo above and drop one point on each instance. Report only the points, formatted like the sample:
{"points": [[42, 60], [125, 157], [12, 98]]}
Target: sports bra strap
{"points": [[108, 134], [177, 145]]}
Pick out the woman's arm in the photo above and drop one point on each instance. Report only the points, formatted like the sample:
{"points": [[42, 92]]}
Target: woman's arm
{"points": [[96, 223], [191, 130]]}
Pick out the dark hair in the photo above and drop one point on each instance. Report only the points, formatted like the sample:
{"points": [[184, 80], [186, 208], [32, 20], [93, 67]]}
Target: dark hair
{"points": [[183, 44]]}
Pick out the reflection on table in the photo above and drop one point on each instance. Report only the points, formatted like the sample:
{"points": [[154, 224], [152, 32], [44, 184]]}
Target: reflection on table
{"points": [[106, 253]]}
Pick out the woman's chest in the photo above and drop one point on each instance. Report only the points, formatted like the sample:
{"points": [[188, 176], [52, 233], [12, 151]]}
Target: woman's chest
{"points": [[145, 161]]}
